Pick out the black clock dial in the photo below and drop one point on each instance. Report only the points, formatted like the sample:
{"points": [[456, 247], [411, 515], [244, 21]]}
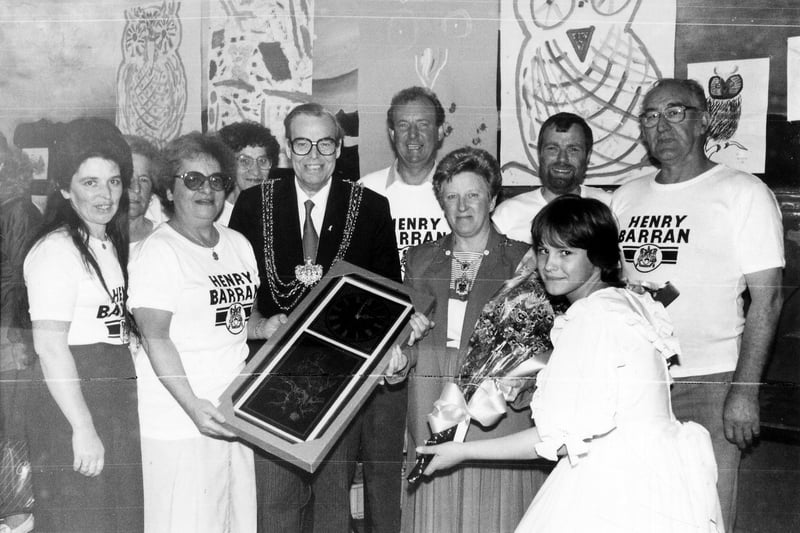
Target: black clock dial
{"points": [[357, 317]]}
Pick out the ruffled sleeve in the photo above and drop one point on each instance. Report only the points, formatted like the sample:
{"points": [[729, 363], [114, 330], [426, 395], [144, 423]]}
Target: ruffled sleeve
{"points": [[576, 393], [652, 321]]}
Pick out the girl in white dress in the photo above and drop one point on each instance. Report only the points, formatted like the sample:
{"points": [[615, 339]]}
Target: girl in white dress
{"points": [[602, 403]]}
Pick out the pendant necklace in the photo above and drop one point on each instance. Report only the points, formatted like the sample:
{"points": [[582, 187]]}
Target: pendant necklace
{"points": [[286, 294], [463, 270], [196, 240]]}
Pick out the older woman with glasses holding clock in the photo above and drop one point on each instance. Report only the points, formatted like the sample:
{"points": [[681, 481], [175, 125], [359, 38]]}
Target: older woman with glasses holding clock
{"points": [[257, 151], [193, 286]]}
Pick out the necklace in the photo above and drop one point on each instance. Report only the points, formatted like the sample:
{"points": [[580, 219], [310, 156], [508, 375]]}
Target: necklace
{"points": [[195, 240], [286, 295], [463, 270]]}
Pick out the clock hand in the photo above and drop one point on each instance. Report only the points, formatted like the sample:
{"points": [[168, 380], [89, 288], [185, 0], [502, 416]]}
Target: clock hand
{"points": [[358, 313]]}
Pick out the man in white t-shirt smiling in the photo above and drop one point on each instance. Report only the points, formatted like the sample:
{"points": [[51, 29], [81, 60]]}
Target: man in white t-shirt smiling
{"points": [[415, 123], [564, 147]]}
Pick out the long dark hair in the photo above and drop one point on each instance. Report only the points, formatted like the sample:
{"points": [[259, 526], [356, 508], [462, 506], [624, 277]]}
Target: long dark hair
{"points": [[78, 141], [586, 223]]}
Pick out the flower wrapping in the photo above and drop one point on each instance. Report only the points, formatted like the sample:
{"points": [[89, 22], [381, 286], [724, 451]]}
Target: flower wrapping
{"points": [[509, 345], [513, 328]]}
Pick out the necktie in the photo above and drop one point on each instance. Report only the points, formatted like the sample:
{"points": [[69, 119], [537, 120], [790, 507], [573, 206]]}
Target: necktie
{"points": [[310, 237]]}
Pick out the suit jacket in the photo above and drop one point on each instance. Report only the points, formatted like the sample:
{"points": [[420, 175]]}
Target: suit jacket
{"points": [[428, 271], [372, 245]]}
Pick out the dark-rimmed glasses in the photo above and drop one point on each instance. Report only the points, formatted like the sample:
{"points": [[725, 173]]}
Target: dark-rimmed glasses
{"points": [[673, 113], [195, 180], [325, 146], [247, 162]]}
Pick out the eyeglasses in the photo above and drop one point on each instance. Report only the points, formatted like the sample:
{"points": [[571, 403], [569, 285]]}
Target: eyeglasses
{"points": [[246, 162], [325, 146], [674, 114], [195, 180]]}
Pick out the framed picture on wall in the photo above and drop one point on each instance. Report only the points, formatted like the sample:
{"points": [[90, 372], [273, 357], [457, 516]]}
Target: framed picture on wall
{"points": [[301, 390], [39, 158]]}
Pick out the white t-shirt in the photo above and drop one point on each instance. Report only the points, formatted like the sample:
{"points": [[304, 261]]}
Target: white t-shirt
{"points": [[703, 236], [61, 287], [155, 211], [225, 214], [416, 213], [210, 301], [514, 216]]}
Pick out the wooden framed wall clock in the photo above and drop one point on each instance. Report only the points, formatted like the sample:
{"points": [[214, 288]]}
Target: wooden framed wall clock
{"points": [[299, 392]]}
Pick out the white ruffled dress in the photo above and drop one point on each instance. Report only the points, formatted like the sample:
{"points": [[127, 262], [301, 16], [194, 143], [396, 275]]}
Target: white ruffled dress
{"points": [[604, 395]]}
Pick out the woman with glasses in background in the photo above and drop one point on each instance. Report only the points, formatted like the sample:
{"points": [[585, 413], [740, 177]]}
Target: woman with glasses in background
{"points": [[257, 151], [193, 285]]}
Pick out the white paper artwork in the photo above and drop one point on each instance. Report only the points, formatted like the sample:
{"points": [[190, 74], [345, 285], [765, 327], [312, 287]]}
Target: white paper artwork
{"points": [[259, 61], [594, 58], [793, 78], [737, 97]]}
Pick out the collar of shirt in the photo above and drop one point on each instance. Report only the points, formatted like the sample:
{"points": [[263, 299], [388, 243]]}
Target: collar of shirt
{"points": [[320, 200], [394, 175]]}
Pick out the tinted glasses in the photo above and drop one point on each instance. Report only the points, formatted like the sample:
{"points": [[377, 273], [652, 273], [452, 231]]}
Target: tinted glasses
{"points": [[194, 180], [247, 162], [674, 113], [325, 146]]}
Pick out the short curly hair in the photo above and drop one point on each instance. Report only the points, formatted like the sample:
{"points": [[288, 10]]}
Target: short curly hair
{"points": [[193, 145], [240, 135], [140, 145], [468, 159]]}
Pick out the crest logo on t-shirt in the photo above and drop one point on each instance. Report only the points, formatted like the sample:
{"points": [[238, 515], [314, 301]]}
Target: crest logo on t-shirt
{"points": [[649, 257], [233, 317]]}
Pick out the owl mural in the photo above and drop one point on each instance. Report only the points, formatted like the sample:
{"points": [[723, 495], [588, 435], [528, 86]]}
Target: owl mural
{"points": [[724, 103], [583, 57], [151, 80]]}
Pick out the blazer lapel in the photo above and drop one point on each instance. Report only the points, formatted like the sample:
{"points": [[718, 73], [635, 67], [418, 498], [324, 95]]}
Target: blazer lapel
{"points": [[485, 287], [333, 223], [286, 230], [438, 281]]}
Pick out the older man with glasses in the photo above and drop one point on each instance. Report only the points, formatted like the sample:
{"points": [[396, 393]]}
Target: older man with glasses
{"points": [[713, 233], [299, 226]]}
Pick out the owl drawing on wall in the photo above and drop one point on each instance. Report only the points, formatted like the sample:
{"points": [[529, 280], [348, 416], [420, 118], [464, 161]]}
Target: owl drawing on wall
{"points": [[724, 103], [582, 56], [151, 80]]}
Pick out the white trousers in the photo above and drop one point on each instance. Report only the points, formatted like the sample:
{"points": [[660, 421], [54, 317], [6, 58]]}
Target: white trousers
{"points": [[198, 484]]}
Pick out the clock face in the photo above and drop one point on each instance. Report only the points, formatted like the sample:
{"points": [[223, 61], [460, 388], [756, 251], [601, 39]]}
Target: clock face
{"points": [[357, 317]]}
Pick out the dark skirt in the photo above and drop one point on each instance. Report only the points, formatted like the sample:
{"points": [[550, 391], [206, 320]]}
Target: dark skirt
{"points": [[67, 501]]}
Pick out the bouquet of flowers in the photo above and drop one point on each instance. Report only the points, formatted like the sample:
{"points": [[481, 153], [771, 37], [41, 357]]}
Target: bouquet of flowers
{"points": [[510, 344]]}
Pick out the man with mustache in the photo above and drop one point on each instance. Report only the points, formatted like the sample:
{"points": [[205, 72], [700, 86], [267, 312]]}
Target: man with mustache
{"points": [[564, 147], [712, 232]]}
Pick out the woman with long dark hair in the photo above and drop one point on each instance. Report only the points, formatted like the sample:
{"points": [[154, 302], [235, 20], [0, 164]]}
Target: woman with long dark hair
{"points": [[83, 424]]}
